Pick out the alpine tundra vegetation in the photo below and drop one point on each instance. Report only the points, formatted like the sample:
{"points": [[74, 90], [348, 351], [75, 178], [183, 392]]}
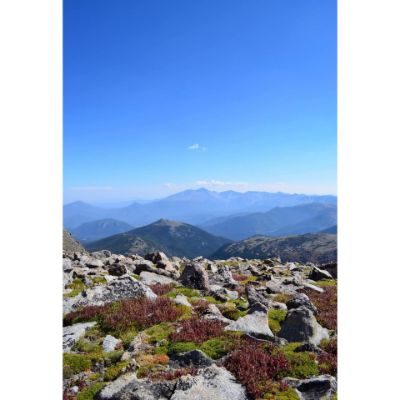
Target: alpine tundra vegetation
{"points": [[159, 327]]}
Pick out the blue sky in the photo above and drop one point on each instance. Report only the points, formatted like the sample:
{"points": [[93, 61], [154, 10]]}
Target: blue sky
{"points": [[161, 96]]}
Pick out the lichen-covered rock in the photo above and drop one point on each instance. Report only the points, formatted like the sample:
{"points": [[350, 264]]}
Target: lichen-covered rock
{"points": [[195, 276], [300, 325], [120, 288], [71, 334], [129, 387], [316, 388], [194, 358], [212, 383]]}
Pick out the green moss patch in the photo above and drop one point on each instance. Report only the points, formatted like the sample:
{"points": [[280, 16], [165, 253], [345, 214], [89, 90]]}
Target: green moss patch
{"points": [[181, 347], [302, 364], [217, 347], [326, 283], [184, 291], [75, 363], [115, 371], [77, 287], [89, 392], [159, 332], [275, 319]]}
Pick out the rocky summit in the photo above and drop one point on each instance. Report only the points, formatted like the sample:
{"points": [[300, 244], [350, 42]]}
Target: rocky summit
{"points": [[164, 327]]}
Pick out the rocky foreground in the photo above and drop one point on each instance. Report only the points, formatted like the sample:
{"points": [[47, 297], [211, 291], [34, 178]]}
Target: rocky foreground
{"points": [[155, 327]]}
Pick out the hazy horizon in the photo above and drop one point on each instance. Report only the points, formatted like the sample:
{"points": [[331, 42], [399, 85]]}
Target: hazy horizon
{"points": [[121, 202]]}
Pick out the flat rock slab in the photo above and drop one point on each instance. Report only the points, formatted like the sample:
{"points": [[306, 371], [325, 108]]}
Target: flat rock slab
{"points": [[71, 334], [150, 278], [254, 324]]}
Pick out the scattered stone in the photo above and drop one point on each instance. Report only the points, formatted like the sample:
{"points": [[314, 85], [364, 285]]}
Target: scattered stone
{"points": [[110, 343], [194, 358], [157, 256], [319, 387], [213, 313], [318, 274], [181, 300], [117, 270], [212, 383], [71, 334], [94, 263], [223, 294], [119, 288], [313, 287], [308, 347], [195, 276], [150, 278], [300, 325], [301, 300], [254, 324]]}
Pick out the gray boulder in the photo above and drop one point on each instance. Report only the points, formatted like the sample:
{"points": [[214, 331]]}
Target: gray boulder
{"points": [[317, 274], [301, 300], [195, 276], [129, 387], [67, 264], [117, 270], [194, 358], [316, 388], [71, 334], [254, 324], [300, 325], [119, 288], [155, 257], [150, 278], [255, 296], [94, 263], [212, 383], [214, 314], [223, 294]]}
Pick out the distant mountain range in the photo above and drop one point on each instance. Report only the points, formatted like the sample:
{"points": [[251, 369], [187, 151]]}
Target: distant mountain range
{"points": [[191, 206], [173, 238], [280, 221], [95, 230], [312, 247]]}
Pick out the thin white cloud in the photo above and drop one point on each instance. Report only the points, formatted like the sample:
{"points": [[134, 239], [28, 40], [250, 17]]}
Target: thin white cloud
{"points": [[91, 188], [217, 183], [196, 146]]}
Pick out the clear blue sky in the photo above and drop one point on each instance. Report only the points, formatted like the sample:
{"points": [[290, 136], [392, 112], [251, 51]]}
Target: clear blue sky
{"points": [[161, 96]]}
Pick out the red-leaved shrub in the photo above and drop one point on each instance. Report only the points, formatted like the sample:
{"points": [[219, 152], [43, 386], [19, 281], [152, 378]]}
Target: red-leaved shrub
{"points": [[200, 306], [326, 304], [122, 315], [160, 289], [256, 367], [197, 330], [328, 360], [239, 278]]}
